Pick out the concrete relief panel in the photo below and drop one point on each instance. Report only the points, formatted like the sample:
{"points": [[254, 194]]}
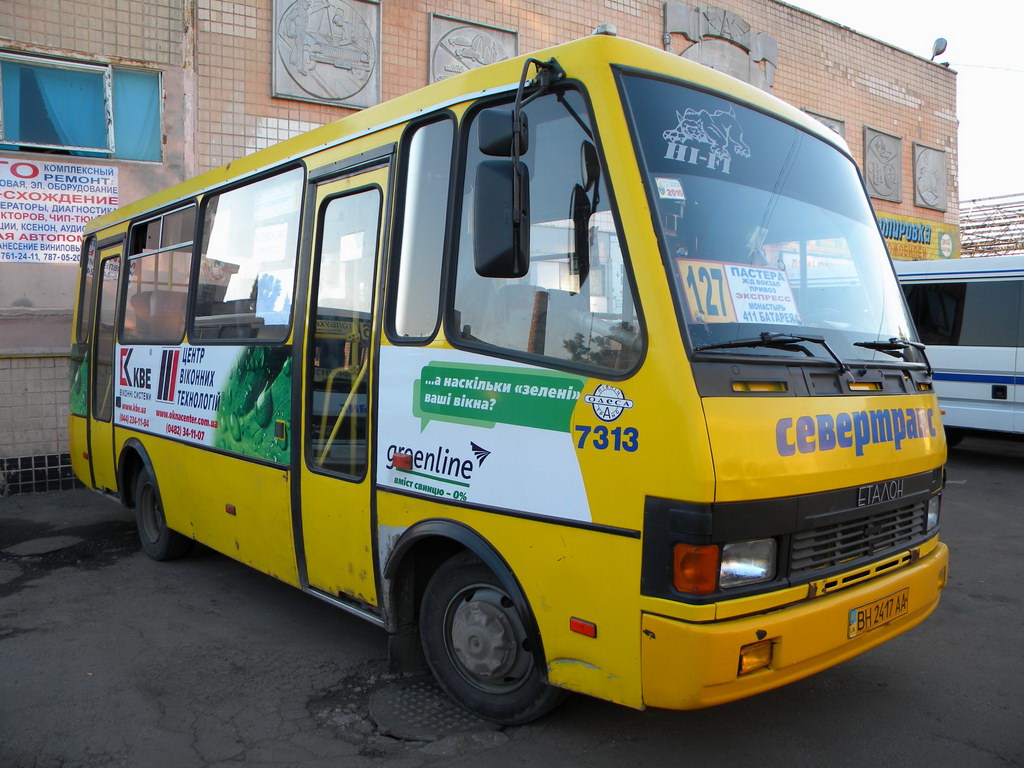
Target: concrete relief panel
{"points": [[457, 46], [883, 165], [327, 51], [833, 124], [930, 177], [722, 40]]}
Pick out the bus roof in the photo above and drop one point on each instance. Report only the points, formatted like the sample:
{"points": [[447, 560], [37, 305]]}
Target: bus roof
{"points": [[580, 59], [953, 270]]}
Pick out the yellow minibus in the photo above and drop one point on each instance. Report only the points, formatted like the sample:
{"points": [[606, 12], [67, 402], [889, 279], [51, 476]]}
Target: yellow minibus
{"points": [[583, 371]]}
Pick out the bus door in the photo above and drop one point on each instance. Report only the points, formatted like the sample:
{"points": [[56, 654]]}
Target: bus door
{"points": [[338, 385], [102, 385], [1018, 385]]}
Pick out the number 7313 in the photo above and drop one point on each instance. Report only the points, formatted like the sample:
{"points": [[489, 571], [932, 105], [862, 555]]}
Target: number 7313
{"points": [[602, 438]]}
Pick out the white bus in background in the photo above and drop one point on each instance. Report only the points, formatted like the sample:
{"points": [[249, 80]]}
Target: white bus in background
{"points": [[970, 313]]}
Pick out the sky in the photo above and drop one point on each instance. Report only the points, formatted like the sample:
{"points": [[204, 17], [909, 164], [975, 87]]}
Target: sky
{"points": [[986, 48]]}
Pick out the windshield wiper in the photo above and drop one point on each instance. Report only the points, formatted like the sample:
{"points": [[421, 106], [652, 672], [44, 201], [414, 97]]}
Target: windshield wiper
{"points": [[895, 347], [788, 341]]}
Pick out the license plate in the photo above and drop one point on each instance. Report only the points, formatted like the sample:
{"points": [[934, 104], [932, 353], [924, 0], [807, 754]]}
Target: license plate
{"points": [[879, 612]]}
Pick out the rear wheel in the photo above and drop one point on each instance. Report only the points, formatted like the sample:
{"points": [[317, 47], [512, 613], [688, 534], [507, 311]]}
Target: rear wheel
{"points": [[157, 540], [477, 644]]}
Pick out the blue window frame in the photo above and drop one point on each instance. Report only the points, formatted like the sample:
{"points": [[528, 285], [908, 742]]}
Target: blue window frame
{"points": [[84, 109]]}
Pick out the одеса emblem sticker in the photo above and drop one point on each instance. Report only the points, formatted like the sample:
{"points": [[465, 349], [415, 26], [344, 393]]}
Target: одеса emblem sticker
{"points": [[608, 402]]}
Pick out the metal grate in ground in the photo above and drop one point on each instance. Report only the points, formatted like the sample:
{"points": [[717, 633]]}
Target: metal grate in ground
{"points": [[415, 709]]}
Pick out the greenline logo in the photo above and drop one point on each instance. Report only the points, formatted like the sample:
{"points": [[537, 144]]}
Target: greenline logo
{"points": [[485, 395], [424, 471]]}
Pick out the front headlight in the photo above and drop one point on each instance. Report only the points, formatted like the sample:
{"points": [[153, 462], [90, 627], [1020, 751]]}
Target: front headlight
{"points": [[933, 511], [747, 562]]}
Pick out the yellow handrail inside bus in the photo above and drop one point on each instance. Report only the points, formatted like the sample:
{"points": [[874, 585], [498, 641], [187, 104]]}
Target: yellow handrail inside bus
{"points": [[344, 409]]}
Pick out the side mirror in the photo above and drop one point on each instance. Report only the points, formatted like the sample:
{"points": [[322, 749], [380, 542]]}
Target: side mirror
{"points": [[582, 209], [495, 132], [590, 166], [579, 260], [501, 247]]}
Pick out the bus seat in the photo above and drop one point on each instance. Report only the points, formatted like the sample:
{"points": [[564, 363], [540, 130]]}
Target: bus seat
{"points": [[167, 314], [158, 315], [140, 308]]}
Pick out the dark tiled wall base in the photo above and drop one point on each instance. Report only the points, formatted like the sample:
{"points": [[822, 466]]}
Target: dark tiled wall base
{"points": [[36, 474]]}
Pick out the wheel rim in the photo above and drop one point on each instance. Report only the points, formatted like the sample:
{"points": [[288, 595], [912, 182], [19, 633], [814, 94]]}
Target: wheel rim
{"points": [[151, 517], [486, 639]]}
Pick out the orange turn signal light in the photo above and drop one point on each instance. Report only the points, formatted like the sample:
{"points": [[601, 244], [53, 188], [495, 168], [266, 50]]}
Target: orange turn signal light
{"points": [[755, 656], [695, 568], [759, 386]]}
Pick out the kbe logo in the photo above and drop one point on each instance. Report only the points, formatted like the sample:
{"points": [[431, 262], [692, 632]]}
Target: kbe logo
{"points": [[138, 377], [608, 402]]}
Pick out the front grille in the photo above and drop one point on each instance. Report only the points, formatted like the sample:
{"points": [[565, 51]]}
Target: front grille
{"points": [[830, 546]]}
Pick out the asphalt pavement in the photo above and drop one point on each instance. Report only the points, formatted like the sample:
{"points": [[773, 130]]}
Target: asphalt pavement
{"points": [[110, 659]]}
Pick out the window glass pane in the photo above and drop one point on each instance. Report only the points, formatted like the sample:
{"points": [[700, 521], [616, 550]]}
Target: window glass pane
{"points": [[990, 310], [417, 287], [977, 314], [178, 227], [154, 307], [53, 107], [575, 304], [764, 227], [146, 237], [937, 311], [248, 260], [137, 125], [341, 338], [107, 313], [85, 298]]}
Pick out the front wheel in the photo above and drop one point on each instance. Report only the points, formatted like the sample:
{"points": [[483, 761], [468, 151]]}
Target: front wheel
{"points": [[157, 540], [478, 646]]}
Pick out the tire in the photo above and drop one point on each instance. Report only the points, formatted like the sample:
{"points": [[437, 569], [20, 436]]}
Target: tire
{"points": [[157, 540], [478, 647], [954, 436]]}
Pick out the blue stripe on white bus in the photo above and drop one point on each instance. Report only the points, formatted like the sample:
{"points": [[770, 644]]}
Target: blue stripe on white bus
{"points": [[981, 378]]}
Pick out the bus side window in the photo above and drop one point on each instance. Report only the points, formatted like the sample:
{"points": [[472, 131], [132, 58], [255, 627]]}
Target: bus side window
{"points": [[159, 268], [575, 304], [981, 326], [960, 314], [937, 310], [247, 265], [414, 292], [340, 359]]}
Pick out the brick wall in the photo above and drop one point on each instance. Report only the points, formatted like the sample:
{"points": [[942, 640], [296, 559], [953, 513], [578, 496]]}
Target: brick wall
{"points": [[227, 46], [822, 67], [33, 425], [216, 60]]}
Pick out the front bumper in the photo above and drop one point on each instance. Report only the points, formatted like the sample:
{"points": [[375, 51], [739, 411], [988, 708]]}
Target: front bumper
{"points": [[689, 665]]}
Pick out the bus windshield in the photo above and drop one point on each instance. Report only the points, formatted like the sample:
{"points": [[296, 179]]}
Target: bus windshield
{"points": [[766, 229]]}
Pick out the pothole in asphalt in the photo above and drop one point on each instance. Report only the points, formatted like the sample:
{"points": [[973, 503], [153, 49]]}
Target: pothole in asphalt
{"points": [[29, 549], [43, 546]]}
